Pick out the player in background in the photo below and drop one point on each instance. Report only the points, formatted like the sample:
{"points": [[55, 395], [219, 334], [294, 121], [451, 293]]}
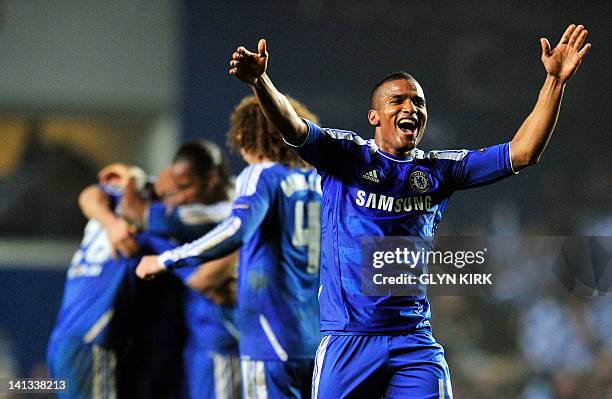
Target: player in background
{"points": [[377, 346], [275, 223], [93, 337], [153, 338], [200, 200]]}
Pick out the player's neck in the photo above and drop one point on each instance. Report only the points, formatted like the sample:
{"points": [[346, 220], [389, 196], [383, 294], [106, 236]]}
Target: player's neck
{"points": [[259, 160], [253, 159], [395, 152]]}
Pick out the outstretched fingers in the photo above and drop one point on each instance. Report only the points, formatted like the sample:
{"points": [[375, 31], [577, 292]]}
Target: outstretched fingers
{"points": [[575, 35], [577, 40], [584, 51], [567, 34], [563, 60], [580, 39]]}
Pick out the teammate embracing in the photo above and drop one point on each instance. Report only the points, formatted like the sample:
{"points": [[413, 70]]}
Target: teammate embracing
{"points": [[377, 346], [106, 342], [275, 222]]}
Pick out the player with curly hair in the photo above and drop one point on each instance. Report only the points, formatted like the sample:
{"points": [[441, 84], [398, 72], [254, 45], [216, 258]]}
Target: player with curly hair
{"points": [[275, 222]]}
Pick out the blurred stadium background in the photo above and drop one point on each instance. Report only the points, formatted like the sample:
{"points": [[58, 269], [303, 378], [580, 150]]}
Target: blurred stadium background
{"points": [[86, 83]]}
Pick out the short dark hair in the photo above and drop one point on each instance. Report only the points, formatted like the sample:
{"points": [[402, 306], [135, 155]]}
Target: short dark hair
{"points": [[399, 75], [204, 158]]}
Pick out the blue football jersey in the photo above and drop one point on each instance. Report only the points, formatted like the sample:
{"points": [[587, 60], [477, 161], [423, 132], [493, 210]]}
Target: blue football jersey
{"points": [[368, 193], [99, 288], [276, 222], [210, 327], [92, 282], [186, 222]]}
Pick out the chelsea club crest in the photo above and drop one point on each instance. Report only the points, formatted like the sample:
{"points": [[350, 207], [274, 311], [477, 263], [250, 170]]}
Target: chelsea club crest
{"points": [[419, 181]]}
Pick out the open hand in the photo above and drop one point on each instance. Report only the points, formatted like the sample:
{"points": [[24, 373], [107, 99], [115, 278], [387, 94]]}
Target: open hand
{"points": [[248, 66], [563, 61]]}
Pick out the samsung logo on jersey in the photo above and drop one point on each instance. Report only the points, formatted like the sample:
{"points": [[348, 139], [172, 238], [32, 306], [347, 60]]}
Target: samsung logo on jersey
{"points": [[297, 182], [84, 271], [392, 204]]}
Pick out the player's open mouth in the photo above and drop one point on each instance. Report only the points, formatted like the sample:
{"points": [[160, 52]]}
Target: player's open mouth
{"points": [[408, 125]]}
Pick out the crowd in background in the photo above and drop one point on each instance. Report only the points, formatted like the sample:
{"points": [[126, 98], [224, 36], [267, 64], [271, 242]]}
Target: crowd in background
{"points": [[543, 343]]}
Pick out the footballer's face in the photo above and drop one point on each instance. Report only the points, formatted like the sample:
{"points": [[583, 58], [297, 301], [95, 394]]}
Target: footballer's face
{"points": [[164, 186], [400, 116], [189, 188]]}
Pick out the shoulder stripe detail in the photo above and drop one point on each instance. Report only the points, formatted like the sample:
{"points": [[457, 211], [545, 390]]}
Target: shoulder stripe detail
{"points": [[196, 214], [216, 236], [372, 146], [453, 155], [345, 135], [248, 179], [245, 181], [419, 154]]}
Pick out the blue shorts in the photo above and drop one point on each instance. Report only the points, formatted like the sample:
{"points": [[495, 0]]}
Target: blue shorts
{"points": [[381, 366], [274, 379], [211, 375], [89, 370]]}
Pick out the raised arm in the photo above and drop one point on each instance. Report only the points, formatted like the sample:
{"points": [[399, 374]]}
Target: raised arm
{"points": [[251, 69], [560, 63], [95, 204]]}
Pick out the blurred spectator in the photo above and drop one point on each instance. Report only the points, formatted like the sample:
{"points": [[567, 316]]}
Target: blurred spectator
{"points": [[552, 338]]}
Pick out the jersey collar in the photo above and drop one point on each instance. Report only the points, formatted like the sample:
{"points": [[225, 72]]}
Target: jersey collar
{"points": [[414, 154]]}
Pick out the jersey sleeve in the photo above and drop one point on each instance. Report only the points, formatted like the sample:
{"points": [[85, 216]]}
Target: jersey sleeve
{"points": [[480, 167], [328, 150], [254, 194], [185, 223], [153, 244]]}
